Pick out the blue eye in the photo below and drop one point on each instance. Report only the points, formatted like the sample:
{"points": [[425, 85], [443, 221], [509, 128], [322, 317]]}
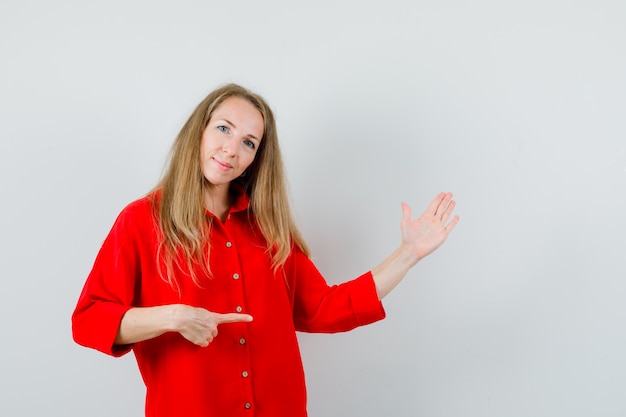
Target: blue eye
{"points": [[222, 129], [249, 144]]}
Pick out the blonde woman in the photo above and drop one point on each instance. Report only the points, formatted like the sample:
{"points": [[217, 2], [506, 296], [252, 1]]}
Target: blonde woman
{"points": [[206, 279]]}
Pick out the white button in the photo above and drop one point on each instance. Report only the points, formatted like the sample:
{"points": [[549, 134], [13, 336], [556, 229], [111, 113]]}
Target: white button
{"points": [[235, 276], [244, 374], [229, 244], [248, 405], [239, 309], [242, 341]]}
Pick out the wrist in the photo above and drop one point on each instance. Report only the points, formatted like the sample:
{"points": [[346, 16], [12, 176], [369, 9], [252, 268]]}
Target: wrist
{"points": [[173, 317], [408, 255]]}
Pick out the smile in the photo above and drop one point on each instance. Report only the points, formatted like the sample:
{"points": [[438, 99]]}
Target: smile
{"points": [[224, 166]]}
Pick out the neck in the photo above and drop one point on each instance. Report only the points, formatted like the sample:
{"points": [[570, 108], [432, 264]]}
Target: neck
{"points": [[217, 200]]}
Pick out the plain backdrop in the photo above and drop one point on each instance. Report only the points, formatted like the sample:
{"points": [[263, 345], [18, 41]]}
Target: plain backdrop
{"points": [[518, 107]]}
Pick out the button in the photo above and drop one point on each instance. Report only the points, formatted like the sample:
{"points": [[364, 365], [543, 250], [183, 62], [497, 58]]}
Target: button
{"points": [[242, 341], [244, 374], [238, 309], [229, 244], [248, 406], [235, 276]]}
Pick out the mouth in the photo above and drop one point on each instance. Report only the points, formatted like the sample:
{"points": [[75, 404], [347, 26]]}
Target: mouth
{"points": [[222, 165]]}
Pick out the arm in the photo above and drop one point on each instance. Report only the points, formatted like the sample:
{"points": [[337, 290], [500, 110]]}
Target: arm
{"points": [[420, 238], [321, 308], [197, 325], [105, 317], [143, 323]]}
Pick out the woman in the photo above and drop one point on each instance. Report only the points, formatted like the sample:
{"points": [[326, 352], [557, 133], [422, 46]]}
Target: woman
{"points": [[214, 248]]}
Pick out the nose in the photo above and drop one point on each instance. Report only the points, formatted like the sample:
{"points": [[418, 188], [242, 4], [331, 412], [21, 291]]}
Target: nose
{"points": [[229, 146]]}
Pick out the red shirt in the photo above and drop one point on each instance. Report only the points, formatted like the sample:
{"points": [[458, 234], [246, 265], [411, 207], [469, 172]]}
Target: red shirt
{"points": [[249, 369]]}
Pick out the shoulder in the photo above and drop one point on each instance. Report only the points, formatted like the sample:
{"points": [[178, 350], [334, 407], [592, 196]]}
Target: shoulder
{"points": [[138, 215], [141, 206], [144, 206]]}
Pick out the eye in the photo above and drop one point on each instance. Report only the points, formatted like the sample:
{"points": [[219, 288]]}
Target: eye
{"points": [[249, 144], [222, 128]]}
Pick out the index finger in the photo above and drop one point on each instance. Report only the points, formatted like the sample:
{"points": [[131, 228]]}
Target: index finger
{"points": [[232, 318]]}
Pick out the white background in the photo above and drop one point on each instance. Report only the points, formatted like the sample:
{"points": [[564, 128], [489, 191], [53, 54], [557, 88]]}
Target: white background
{"points": [[518, 107]]}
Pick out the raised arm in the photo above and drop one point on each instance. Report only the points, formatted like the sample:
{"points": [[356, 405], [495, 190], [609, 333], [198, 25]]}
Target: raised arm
{"points": [[420, 238]]}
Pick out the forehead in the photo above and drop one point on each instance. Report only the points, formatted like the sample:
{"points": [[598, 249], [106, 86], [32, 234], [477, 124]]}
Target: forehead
{"points": [[242, 114]]}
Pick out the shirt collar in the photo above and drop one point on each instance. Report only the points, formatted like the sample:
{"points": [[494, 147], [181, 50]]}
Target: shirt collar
{"points": [[241, 199]]}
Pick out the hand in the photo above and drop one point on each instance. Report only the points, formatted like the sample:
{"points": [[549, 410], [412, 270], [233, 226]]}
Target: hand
{"points": [[199, 326], [430, 230]]}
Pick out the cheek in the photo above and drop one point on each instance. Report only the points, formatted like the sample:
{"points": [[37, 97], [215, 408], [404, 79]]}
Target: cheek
{"points": [[208, 142], [203, 148], [248, 160]]}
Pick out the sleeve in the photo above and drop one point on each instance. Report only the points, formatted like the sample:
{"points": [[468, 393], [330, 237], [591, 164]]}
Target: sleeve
{"points": [[108, 292], [320, 308]]}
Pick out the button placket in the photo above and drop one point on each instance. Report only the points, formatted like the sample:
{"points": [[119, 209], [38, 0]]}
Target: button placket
{"points": [[239, 308]]}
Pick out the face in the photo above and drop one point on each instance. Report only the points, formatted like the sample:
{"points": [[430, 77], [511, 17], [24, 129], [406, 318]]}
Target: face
{"points": [[230, 141]]}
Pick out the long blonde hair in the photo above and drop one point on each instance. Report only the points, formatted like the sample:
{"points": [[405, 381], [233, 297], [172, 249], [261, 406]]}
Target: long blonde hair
{"points": [[180, 206]]}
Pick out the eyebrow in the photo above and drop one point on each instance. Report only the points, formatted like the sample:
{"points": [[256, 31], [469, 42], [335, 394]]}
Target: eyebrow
{"points": [[233, 125]]}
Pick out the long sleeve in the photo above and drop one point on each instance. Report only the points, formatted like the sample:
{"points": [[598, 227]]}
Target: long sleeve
{"points": [[320, 308], [109, 291]]}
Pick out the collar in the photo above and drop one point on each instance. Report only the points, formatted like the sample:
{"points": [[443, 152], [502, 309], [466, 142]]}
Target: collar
{"points": [[241, 199]]}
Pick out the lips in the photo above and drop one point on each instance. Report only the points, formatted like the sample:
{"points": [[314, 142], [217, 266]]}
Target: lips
{"points": [[225, 166]]}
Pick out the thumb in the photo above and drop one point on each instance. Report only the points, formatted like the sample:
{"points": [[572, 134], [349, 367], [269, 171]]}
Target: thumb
{"points": [[232, 318], [406, 212]]}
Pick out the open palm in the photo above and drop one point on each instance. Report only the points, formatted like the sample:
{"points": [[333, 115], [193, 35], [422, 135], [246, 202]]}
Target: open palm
{"points": [[431, 229]]}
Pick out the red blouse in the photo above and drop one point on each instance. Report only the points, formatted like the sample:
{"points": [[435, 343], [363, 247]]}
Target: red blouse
{"points": [[249, 369]]}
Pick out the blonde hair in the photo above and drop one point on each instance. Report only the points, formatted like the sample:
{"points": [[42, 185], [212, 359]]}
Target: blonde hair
{"points": [[180, 211]]}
